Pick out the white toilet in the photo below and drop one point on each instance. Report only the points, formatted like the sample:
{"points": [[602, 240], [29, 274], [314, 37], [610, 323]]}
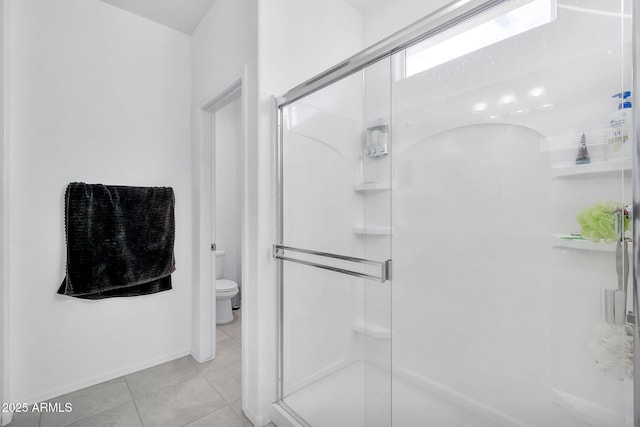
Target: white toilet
{"points": [[225, 290]]}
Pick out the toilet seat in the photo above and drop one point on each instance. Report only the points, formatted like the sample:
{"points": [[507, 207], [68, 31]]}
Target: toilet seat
{"points": [[225, 287]]}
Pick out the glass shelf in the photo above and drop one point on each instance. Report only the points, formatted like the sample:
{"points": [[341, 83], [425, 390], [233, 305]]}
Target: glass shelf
{"points": [[375, 231], [372, 330], [563, 241], [371, 186], [612, 166]]}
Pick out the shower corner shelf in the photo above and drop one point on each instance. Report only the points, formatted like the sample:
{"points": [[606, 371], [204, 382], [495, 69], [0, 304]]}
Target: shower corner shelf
{"points": [[374, 231], [371, 186], [611, 166], [563, 241], [371, 330]]}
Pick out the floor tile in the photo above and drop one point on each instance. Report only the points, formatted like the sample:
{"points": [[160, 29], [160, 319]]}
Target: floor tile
{"points": [[25, 419], [122, 416], [153, 379], [232, 329], [172, 394], [179, 404], [227, 381], [88, 402], [236, 406], [227, 352], [246, 422], [224, 417], [221, 335]]}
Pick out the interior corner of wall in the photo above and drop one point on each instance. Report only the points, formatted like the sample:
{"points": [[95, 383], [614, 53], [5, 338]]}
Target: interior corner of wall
{"points": [[257, 420], [5, 417]]}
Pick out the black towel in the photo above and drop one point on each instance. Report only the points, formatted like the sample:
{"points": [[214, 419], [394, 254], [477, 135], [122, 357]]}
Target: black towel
{"points": [[119, 240]]}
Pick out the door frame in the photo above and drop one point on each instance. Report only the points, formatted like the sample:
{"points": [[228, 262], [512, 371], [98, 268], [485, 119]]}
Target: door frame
{"points": [[5, 417], [204, 298]]}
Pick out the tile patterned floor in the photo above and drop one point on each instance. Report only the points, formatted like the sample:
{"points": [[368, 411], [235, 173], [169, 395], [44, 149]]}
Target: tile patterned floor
{"points": [[178, 393]]}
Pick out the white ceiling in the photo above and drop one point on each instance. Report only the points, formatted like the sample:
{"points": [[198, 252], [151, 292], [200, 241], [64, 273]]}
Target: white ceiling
{"points": [[358, 5], [364, 6], [181, 15]]}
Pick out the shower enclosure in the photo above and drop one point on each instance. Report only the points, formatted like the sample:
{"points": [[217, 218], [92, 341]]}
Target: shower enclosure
{"points": [[455, 237]]}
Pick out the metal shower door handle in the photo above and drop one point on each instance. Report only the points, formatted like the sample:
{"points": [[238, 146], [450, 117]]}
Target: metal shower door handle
{"points": [[385, 266]]}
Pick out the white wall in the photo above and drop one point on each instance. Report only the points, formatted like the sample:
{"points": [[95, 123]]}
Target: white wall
{"points": [[224, 48], [4, 307], [228, 182], [97, 95], [297, 40], [383, 18]]}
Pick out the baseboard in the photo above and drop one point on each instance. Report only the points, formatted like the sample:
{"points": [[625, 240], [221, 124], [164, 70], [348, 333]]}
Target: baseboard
{"points": [[317, 376], [256, 421], [282, 418], [5, 418], [69, 388], [460, 399]]}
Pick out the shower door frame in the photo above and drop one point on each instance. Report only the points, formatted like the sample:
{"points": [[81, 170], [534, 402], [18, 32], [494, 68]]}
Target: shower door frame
{"points": [[435, 23]]}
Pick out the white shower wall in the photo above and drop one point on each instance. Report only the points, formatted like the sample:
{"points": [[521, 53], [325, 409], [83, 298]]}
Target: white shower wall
{"points": [[322, 163], [297, 40], [493, 322], [488, 311]]}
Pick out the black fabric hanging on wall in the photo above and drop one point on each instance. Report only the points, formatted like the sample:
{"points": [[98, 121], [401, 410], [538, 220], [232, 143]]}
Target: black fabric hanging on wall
{"points": [[119, 240]]}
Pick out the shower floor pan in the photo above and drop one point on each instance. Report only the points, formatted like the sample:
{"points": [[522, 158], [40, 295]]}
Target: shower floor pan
{"points": [[359, 395]]}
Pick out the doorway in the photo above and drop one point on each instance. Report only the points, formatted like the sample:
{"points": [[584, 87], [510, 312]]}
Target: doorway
{"points": [[226, 201], [222, 222]]}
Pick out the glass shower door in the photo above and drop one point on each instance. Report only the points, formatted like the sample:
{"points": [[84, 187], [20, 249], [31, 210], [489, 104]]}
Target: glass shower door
{"points": [[511, 199], [334, 253]]}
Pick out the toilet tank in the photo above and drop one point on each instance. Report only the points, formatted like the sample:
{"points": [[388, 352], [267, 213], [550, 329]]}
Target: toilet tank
{"points": [[220, 264]]}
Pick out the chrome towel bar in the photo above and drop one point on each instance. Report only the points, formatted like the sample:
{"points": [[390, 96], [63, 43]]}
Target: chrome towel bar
{"points": [[385, 266]]}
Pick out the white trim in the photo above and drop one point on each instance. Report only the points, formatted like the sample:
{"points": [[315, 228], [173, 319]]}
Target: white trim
{"points": [[78, 385], [5, 382], [245, 278], [203, 297], [282, 418], [203, 345], [255, 420], [230, 93]]}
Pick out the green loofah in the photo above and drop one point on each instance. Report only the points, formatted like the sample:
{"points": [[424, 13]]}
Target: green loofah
{"points": [[599, 222]]}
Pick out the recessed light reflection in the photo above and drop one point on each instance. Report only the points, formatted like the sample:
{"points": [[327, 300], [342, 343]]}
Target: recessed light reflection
{"points": [[480, 106], [520, 112], [536, 91], [507, 99], [494, 117], [544, 107]]}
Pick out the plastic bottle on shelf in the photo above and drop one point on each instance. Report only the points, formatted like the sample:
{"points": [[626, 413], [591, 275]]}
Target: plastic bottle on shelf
{"points": [[583, 156], [621, 122]]}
